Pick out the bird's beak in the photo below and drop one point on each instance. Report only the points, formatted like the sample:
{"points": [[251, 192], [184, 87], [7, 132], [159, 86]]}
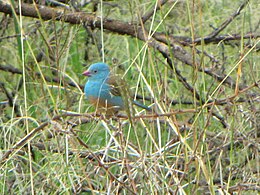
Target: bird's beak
{"points": [[87, 73]]}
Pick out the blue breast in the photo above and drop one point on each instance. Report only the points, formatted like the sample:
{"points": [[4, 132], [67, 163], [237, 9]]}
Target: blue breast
{"points": [[102, 91]]}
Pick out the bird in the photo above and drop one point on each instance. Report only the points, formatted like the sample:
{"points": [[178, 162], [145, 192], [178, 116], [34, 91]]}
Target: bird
{"points": [[103, 91]]}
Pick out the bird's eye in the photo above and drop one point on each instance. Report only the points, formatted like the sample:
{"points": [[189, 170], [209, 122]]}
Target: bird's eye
{"points": [[95, 71]]}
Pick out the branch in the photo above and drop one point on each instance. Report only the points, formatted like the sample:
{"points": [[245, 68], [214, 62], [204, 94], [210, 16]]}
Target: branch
{"points": [[186, 41], [11, 69], [148, 14], [116, 26], [22, 142], [228, 21], [11, 101]]}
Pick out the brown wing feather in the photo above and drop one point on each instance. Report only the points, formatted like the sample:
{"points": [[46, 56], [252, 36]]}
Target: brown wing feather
{"points": [[115, 86]]}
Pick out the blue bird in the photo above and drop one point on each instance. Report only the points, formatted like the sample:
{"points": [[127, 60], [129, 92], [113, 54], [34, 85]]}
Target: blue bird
{"points": [[103, 92]]}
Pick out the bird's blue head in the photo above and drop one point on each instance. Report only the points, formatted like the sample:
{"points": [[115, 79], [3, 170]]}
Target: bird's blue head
{"points": [[97, 71]]}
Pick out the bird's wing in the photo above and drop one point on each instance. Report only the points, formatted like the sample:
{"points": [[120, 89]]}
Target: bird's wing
{"points": [[115, 85], [118, 87]]}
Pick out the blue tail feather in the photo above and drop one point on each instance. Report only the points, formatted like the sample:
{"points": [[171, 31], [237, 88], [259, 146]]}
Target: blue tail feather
{"points": [[141, 105]]}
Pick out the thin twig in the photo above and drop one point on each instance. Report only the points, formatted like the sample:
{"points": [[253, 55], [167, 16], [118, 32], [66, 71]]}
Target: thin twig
{"points": [[149, 13], [12, 69], [225, 23]]}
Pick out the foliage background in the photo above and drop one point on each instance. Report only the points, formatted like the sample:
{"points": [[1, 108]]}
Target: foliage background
{"points": [[196, 65]]}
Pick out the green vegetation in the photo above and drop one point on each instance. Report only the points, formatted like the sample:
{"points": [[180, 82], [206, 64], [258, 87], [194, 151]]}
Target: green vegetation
{"points": [[203, 134]]}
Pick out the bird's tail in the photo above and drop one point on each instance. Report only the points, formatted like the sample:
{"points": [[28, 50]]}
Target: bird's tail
{"points": [[141, 105]]}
